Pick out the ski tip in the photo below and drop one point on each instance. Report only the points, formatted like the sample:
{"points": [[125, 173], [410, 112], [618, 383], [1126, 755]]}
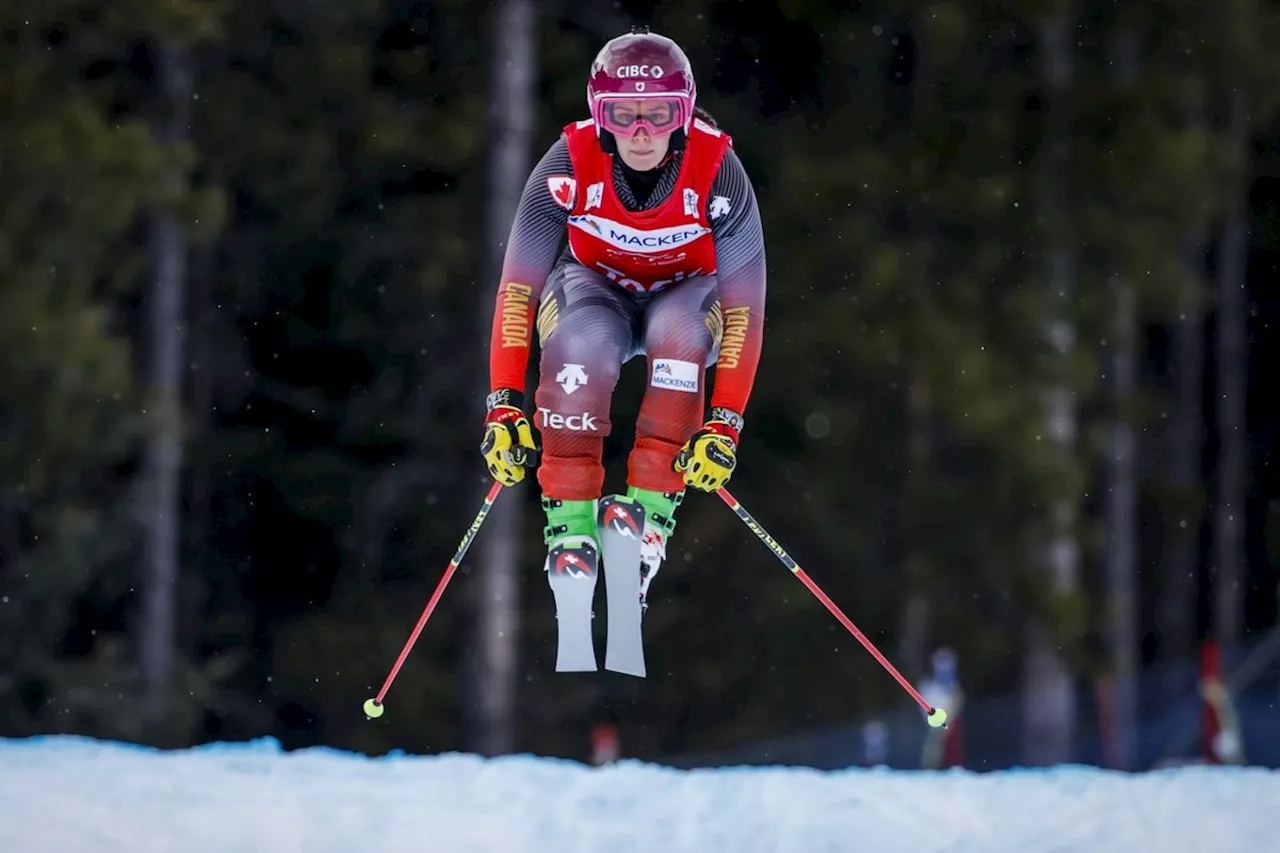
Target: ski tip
{"points": [[577, 666], [635, 669]]}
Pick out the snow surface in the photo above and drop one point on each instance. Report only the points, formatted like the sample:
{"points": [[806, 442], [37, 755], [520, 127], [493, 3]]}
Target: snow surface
{"points": [[73, 795]]}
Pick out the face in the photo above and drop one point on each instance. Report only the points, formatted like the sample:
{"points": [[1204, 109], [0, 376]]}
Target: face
{"points": [[643, 149]]}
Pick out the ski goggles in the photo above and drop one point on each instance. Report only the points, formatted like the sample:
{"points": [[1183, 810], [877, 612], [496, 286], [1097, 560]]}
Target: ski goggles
{"points": [[656, 115]]}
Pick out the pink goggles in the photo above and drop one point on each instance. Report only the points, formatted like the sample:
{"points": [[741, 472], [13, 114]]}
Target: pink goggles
{"points": [[657, 115]]}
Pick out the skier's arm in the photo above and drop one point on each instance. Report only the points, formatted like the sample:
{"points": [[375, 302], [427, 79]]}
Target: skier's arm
{"points": [[532, 249], [740, 258]]}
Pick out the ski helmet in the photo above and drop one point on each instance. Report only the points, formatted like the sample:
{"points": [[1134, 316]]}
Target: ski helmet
{"points": [[641, 66]]}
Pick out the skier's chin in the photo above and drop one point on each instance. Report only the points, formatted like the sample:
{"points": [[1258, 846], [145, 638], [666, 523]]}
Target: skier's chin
{"points": [[643, 158]]}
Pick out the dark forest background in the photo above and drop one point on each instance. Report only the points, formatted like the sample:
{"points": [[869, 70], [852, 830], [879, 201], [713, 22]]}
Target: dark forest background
{"points": [[1013, 400]]}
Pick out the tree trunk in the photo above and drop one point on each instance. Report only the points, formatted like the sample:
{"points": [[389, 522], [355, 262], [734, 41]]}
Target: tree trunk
{"points": [[1049, 698], [491, 729], [163, 463], [914, 630], [1181, 551], [1122, 521], [1121, 498], [1232, 367]]}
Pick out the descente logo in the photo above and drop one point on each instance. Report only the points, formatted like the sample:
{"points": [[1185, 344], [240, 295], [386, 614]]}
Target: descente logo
{"points": [[628, 71]]}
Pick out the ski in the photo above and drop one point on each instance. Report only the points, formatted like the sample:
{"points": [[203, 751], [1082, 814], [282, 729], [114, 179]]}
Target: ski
{"points": [[621, 530], [572, 568]]}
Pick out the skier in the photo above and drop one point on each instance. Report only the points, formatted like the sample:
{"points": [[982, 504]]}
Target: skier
{"points": [[664, 258]]}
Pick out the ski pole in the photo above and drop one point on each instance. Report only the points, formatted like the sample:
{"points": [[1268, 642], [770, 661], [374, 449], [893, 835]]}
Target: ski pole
{"points": [[937, 717], [373, 707]]}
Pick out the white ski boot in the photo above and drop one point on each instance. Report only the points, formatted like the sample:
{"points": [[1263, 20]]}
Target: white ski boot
{"points": [[659, 523]]}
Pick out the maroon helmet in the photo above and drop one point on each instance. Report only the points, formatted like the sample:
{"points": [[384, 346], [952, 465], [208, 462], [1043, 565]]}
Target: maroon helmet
{"points": [[641, 66]]}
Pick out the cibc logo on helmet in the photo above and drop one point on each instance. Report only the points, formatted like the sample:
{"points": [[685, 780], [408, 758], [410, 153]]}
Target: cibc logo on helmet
{"points": [[626, 71]]}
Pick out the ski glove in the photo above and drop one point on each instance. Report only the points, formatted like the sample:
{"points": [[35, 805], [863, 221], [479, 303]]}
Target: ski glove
{"points": [[708, 458], [509, 447]]}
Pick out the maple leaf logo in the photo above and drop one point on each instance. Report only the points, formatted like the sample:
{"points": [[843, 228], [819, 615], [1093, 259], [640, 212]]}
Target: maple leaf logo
{"points": [[563, 190]]}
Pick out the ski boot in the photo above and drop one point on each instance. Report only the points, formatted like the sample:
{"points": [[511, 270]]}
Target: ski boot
{"points": [[573, 559], [659, 524]]}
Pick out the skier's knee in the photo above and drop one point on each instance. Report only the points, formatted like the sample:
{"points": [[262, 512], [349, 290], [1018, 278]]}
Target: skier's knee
{"points": [[600, 360], [574, 398], [572, 473], [649, 465], [687, 338]]}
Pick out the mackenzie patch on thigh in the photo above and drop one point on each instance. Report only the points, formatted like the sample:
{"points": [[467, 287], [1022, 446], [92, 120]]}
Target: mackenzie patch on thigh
{"points": [[675, 374]]}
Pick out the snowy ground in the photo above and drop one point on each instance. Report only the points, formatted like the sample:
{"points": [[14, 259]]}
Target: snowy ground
{"points": [[68, 795]]}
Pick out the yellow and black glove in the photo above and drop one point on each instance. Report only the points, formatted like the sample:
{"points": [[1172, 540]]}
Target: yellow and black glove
{"points": [[509, 447], [708, 458]]}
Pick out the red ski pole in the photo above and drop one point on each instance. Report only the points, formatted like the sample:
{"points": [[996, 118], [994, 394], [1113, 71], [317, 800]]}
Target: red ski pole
{"points": [[937, 716], [373, 707]]}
